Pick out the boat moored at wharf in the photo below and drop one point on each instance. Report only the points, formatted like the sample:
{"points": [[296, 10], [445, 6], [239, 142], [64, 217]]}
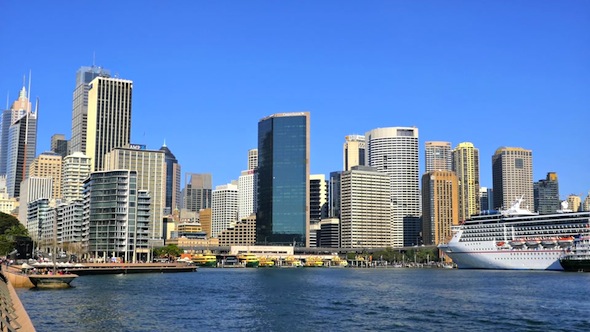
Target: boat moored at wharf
{"points": [[577, 258], [516, 239]]}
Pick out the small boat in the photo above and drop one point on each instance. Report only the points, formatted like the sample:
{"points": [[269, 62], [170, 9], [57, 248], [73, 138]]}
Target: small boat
{"points": [[52, 281], [533, 242], [266, 262], [500, 244], [550, 242]]}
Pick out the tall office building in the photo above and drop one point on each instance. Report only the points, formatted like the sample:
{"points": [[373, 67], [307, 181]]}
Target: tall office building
{"points": [[59, 145], [49, 165], [438, 156], [512, 174], [318, 197], [196, 194], [224, 207], [466, 167], [21, 146], [150, 167], [252, 159], [109, 118], [440, 206], [247, 194], [394, 151], [172, 181], [18, 109], [546, 194], [366, 208], [84, 76], [354, 151], [282, 216], [334, 195], [33, 188], [76, 168], [586, 204], [486, 199], [117, 215], [574, 202]]}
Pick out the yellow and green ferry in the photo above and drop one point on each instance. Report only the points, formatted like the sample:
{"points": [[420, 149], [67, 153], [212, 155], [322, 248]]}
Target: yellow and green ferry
{"points": [[249, 260], [205, 260]]}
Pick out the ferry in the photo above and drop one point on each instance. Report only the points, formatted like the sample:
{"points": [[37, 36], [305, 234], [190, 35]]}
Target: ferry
{"points": [[249, 260], [577, 258], [515, 239], [205, 260]]}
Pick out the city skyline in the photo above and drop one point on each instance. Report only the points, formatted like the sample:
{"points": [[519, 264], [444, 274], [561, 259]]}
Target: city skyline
{"points": [[457, 76]]}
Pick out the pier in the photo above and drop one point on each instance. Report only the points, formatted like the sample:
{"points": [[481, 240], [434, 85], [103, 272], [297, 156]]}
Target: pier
{"points": [[13, 316]]}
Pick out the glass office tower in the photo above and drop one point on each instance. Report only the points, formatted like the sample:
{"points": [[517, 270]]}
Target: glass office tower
{"points": [[282, 215]]}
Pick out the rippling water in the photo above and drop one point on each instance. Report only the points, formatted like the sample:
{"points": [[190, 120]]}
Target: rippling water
{"points": [[323, 299]]}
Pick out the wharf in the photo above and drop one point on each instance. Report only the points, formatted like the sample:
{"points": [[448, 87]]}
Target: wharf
{"points": [[128, 268]]}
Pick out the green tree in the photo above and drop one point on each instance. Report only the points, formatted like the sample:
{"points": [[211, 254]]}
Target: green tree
{"points": [[7, 221], [170, 250], [10, 228]]}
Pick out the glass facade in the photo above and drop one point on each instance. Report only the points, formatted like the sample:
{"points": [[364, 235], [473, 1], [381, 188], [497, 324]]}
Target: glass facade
{"points": [[283, 179]]}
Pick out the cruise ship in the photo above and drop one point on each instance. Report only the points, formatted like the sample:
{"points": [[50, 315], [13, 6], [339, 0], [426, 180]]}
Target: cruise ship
{"points": [[516, 239]]}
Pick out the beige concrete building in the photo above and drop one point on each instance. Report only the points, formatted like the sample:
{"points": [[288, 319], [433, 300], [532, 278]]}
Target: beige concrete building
{"points": [[574, 202], [437, 156], [76, 168], [512, 173], [48, 165], [109, 118], [466, 167], [354, 151], [252, 159], [239, 233], [8, 205], [151, 176], [440, 206], [205, 220]]}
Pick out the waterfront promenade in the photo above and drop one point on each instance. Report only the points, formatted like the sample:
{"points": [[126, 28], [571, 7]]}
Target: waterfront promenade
{"points": [[13, 316]]}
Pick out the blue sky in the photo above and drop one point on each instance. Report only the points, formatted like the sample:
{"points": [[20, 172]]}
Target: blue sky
{"points": [[494, 73]]}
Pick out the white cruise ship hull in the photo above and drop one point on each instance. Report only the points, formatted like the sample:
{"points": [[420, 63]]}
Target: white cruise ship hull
{"points": [[485, 255]]}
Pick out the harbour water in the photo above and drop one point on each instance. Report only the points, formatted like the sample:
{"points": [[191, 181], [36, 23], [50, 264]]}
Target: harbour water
{"points": [[321, 299]]}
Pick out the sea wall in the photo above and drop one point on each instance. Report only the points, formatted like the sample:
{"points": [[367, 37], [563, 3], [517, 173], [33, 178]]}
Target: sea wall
{"points": [[13, 315]]}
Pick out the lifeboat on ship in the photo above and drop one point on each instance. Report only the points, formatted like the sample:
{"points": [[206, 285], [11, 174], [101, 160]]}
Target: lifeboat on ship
{"points": [[550, 242], [566, 241], [533, 242], [517, 242]]}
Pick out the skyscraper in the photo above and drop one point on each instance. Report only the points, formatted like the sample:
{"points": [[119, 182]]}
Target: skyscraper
{"points": [[512, 174], [196, 194], [22, 146], [354, 151], [466, 167], [59, 145], [486, 199], [318, 197], [438, 156], [546, 194], [252, 159], [334, 194], [150, 168], [282, 216], [394, 151], [224, 207], [18, 109], [172, 180], [49, 165], [109, 118], [366, 208], [247, 193], [440, 206], [84, 76]]}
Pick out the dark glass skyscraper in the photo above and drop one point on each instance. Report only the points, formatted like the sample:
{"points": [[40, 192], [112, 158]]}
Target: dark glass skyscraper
{"points": [[282, 215], [172, 181]]}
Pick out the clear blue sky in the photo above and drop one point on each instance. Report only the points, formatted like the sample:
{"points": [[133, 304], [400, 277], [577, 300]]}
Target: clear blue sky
{"points": [[494, 73]]}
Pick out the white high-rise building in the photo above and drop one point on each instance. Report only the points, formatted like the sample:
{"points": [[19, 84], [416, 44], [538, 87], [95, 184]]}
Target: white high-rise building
{"points": [[109, 118], [365, 208], [354, 151], [224, 207], [438, 156], [246, 194], [76, 168], [33, 188], [394, 151], [252, 159]]}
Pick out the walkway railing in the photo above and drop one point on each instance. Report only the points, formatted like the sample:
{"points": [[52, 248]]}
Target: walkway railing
{"points": [[12, 314]]}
